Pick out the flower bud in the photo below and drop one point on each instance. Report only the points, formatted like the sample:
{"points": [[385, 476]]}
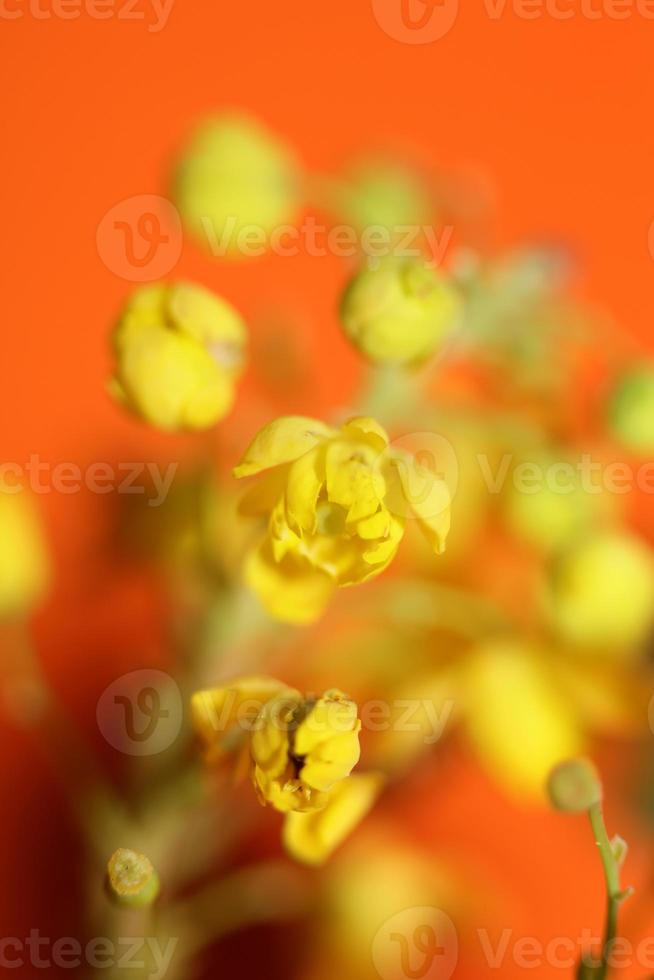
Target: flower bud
{"points": [[400, 311], [631, 410], [24, 564], [131, 879], [574, 786], [386, 194], [601, 593], [179, 349], [235, 175]]}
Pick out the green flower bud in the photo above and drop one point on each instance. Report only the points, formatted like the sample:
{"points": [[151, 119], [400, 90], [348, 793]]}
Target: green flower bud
{"points": [[387, 194], [179, 350], [631, 410], [574, 786], [131, 879], [601, 593], [554, 516], [400, 311], [234, 175]]}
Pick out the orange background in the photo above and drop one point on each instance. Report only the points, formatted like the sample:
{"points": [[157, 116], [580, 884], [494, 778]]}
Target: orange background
{"points": [[553, 117]]}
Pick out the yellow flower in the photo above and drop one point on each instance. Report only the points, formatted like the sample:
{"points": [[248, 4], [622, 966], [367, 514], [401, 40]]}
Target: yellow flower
{"points": [[236, 177], [311, 838], [601, 594], [24, 564], [399, 312], [337, 502], [179, 350], [301, 749], [299, 752]]}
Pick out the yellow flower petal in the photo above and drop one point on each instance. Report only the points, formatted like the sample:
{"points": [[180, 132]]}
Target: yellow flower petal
{"points": [[519, 721], [223, 716], [418, 490], [281, 441], [305, 479], [292, 591], [373, 433], [311, 838]]}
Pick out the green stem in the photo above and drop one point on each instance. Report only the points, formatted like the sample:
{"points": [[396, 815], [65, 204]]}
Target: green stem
{"points": [[615, 894]]}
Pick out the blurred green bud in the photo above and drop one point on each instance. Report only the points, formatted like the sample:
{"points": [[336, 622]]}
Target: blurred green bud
{"points": [[400, 311], [574, 786], [380, 192], [179, 350], [131, 879], [601, 593], [234, 175], [553, 515], [631, 410], [24, 562]]}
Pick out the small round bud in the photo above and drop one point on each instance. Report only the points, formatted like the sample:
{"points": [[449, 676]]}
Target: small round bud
{"points": [[601, 593], [236, 177], [574, 786], [631, 410], [132, 879], [387, 194], [400, 311]]}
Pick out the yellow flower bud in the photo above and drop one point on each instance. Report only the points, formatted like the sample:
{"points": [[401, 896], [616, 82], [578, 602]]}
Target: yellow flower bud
{"points": [[400, 311], [301, 749], [131, 878], [179, 350], [574, 786], [601, 593], [337, 502], [235, 175], [631, 410], [24, 564]]}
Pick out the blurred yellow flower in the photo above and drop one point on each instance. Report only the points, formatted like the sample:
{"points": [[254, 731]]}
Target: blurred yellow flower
{"points": [[179, 350], [517, 717], [301, 749], [24, 563], [223, 716], [600, 594], [337, 502], [236, 178], [400, 311]]}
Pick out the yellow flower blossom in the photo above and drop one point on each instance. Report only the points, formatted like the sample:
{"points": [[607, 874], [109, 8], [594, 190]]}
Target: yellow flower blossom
{"points": [[337, 501], [299, 752], [24, 563], [631, 409], [179, 350], [301, 749], [400, 311]]}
